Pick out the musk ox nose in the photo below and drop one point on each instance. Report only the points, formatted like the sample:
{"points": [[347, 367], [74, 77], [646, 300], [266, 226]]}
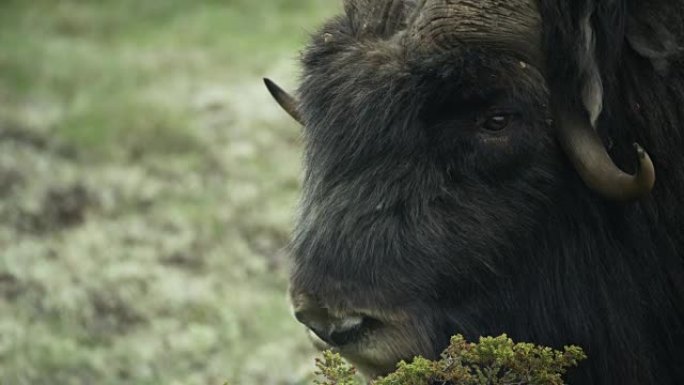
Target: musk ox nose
{"points": [[335, 331]]}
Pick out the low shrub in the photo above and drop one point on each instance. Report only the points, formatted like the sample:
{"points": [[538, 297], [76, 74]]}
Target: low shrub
{"points": [[491, 361]]}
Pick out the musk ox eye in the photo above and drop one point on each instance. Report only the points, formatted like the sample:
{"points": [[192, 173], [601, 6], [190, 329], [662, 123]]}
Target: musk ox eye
{"points": [[497, 122]]}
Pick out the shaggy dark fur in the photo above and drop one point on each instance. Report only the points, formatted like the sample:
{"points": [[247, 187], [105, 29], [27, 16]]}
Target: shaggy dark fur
{"points": [[409, 204]]}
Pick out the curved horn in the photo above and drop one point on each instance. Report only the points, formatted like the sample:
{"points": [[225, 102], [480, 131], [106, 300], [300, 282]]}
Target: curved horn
{"points": [[285, 100], [591, 160]]}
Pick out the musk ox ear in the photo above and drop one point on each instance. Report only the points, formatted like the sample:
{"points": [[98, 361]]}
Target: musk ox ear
{"points": [[377, 18]]}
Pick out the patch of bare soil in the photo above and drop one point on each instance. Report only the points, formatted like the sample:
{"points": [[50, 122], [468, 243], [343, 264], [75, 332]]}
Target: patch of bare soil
{"points": [[25, 136], [58, 206], [11, 287], [10, 181], [61, 208]]}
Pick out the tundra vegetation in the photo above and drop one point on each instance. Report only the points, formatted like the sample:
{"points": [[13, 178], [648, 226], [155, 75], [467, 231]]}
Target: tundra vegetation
{"points": [[147, 185], [492, 361]]}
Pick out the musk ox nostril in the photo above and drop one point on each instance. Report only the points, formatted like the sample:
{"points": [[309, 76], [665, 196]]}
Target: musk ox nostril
{"points": [[333, 330], [315, 318], [300, 316], [341, 337]]}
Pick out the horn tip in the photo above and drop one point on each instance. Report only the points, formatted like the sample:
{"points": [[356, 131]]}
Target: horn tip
{"points": [[641, 153], [269, 83], [285, 100], [647, 169], [274, 89]]}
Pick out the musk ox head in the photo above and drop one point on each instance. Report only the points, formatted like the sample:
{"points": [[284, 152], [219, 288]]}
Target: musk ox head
{"points": [[438, 152]]}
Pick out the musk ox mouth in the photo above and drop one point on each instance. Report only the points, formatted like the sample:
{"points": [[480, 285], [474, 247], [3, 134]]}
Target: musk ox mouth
{"points": [[372, 340], [357, 341], [359, 347]]}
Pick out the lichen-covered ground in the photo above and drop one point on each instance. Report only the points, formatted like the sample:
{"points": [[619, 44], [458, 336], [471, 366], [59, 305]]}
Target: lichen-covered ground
{"points": [[147, 187]]}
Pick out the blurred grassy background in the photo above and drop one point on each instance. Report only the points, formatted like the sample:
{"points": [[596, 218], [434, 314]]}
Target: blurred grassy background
{"points": [[147, 187]]}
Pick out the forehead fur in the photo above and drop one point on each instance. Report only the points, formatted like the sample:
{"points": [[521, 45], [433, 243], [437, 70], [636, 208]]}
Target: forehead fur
{"points": [[345, 69]]}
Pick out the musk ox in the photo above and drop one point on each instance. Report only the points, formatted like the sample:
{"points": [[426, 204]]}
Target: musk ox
{"points": [[471, 168]]}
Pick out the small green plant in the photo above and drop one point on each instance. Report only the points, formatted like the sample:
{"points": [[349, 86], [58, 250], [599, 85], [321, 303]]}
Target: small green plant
{"points": [[492, 361], [334, 370]]}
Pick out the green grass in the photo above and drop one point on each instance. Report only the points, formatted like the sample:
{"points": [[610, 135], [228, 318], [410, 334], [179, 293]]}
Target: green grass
{"points": [[118, 69], [147, 188]]}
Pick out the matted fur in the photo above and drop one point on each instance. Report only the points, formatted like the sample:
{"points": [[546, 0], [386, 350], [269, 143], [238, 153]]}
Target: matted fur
{"points": [[410, 210]]}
